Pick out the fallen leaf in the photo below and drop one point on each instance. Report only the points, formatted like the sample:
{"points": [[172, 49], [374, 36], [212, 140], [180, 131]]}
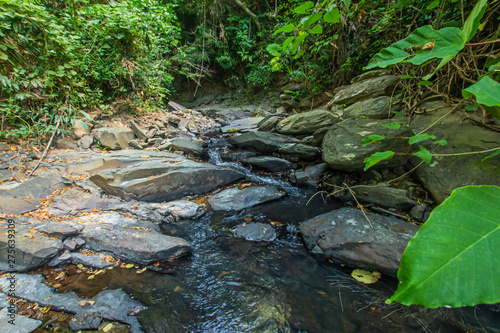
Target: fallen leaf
{"points": [[91, 302], [365, 276], [177, 289], [141, 270], [248, 219], [45, 309], [107, 327], [82, 303], [91, 277], [129, 265], [46, 299]]}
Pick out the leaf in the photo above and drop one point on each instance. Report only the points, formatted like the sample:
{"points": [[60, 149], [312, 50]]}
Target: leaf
{"points": [[365, 276], [287, 28], [424, 83], [393, 125], [273, 50], [420, 137], [312, 19], [377, 157], [287, 42], [371, 139], [317, 29], [453, 259], [3, 56], [491, 155], [332, 16], [107, 328], [302, 9], [129, 265], [486, 91], [298, 40], [424, 154], [433, 5], [472, 23], [440, 142]]}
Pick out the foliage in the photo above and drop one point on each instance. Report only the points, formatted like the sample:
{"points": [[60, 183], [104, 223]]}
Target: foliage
{"points": [[452, 260]]}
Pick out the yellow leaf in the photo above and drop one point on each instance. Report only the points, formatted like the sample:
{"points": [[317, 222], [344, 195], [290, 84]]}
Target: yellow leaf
{"points": [[177, 289], [79, 266], [91, 277], [141, 270], [365, 276], [91, 302], [129, 265], [46, 299], [45, 309], [107, 327], [82, 303]]}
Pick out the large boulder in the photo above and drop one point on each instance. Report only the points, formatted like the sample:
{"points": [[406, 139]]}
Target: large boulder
{"points": [[194, 148], [307, 122], [236, 199], [374, 108], [114, 137], [262, 142], [345, 236], [242, 125], [158, 180], [342, 148], [370, 88]]}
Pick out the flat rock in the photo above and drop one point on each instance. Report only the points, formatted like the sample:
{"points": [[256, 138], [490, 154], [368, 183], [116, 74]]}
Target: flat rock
{"points": [[301, 151], [345, 236], [307, 122], [182, 209], [242, 125], [373, 108], [262, 142], [255, 231], [194, 148], [236, 199], [158, 180], [387, 197], [26, 197], [269, 122], [21, 324], [342, 148], [138, 131], [269, 163], [114, 137], [370, 88], [75, 201]]}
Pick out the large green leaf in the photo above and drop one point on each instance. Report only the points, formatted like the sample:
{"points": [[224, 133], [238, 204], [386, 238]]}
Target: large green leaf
{"points": [[439, 44], [453, 259], [472, 23], [486, 90]]}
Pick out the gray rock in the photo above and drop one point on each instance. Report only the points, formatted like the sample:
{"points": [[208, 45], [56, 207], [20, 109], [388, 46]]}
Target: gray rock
{"points": [[371, 88], [418, 212], [236, 199], [135, 144], [342, 148], [301, 151], [269, 122], [310, 174], [183, 209], [262, 142], [66, 144], [85, 142], [21, 324], [75, 201], [136, 246], [154, 141], [345, 236], [57, 230], [387, 197], [307, 122], [255, 231], [163, 181], [269, 163], [114, 137], [194, 148], [374, 108], [97, 261], [138, 131], [73, 243], [370, 74], [242, 125], [26, 197]]}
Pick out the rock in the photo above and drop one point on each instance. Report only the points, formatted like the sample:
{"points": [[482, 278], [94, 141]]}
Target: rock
{"points": [[242, 125], [387, 197], [26, 196], [182, 209], [306, 123], [80, 129], [194, 148], [311, 174], [114, 137], [262, 142], [136, 246], [57, 230], [374, 108], [76, 201], [163, 180], [342, 148], [269, 122], [370, 74], [73, 243], [15, 323], [139, 132], [301, 151], [66, 144], [418, 212], [370, 88], [98, 261], [85, 142], [236, 199], [269, 163], [4, 147], [173, 119], [135, 144], [345, 236], [255, 231], [446, 173]]}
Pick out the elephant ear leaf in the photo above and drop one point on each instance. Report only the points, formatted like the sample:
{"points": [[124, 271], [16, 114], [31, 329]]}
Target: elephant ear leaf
{"points": [[453, 259], [487, 93], [472, 23]]}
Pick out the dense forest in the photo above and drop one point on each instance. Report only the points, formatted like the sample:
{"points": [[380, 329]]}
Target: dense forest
{"points": [[61, 59]]}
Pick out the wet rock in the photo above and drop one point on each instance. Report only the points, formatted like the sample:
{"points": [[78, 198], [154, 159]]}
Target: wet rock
{"points": [[301, 151], [138, 131], [387, 197], [22, 324], [311, 174], [306, 123], [255, 232], [269, 163], [370, 88], [236, 199], [27, 196], [136, 246], [160, 180], [114, 137], [194, 148], [342, 148], [345, 236], [98, 261], [373, 108], [262, 142], [182, 209], [242, 125]]}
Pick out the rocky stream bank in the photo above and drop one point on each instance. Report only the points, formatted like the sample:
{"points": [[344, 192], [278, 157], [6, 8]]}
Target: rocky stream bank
{"points": [[111, 197]]}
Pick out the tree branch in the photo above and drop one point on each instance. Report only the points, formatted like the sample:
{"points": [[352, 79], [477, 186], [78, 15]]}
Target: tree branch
{"points": [[483, 43], [249, 12]]}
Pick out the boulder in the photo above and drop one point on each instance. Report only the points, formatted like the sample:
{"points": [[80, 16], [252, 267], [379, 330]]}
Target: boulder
{"points": [[159, 180], [182, 209], [269, 122], [138, 131], [114, 137], [255, 231], [76, 201], [371, 74], [387, 197], [311, 174], [306, 123], [66, 143], [236, 199], [342, 148], [269, 163], [345, 237], [301, 151], [80, 129], [370, 88], [194, 148], [262, 142], [374, 108], [242, 125]]}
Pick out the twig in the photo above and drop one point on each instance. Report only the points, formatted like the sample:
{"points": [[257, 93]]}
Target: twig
{"points": [[46, 149], [483, 43], [381, 210], [359, 205]]}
